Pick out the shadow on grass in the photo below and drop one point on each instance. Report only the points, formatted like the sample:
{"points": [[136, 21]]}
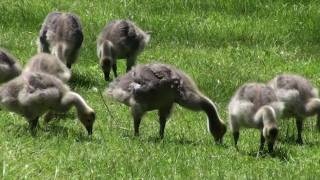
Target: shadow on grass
{"points": [[17, 130], [84, 137], [57, 130], [312, 144], [291, 140], [178, 141], [288, 140], [49, 132], [52, 129], [83, 81], [22, 130], [57, 117], [279, 153]]}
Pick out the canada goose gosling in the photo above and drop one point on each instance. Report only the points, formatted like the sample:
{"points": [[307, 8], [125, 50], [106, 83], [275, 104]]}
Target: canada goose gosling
{"points": [[120, 39], [158, 87], [300, 98], [255, 105], [61, 35], [33, 94]]}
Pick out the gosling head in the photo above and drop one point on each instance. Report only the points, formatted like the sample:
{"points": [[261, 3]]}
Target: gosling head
{"points": [[106, 65], [218, 133], [87, 119], [270, 133]]}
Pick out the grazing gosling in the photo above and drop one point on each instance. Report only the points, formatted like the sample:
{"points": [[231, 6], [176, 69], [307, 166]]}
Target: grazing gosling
{"points": [[61, 35], [33, 94], [47, 63], [300, 98], [255, 105], [9, 66], [120, 39], [157, 87]]}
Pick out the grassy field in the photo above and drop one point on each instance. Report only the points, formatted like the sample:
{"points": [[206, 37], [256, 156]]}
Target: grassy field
{"points": [[221, 44]]}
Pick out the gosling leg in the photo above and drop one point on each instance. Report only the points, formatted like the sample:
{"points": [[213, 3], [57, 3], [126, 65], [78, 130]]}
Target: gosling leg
{"points": [[318, 121], [236, 138], [262, 141], [114, 69], [130, 62], [33, 123], [163, 113], [137, 116], [299, 124]]}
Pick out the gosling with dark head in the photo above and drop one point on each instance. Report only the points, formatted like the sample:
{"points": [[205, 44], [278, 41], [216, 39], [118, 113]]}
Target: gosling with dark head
{"points": [[255, 105], [158, 87], [33, 94], [61, 35], [120, 39], [300, 98]]}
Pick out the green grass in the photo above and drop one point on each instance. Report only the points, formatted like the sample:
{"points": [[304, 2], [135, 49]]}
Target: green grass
{"points": [[221, 44]]}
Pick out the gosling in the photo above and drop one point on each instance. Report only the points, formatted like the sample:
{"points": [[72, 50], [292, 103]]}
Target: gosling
{"points": [[9, 66], [255, 105], [47, 63], [33, 94], [61, 35], [300, 98], [157, 87], [120, 39]]}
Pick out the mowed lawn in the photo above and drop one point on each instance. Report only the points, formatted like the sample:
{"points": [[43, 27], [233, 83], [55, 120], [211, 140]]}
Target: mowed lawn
{"points": [[221, 44]]}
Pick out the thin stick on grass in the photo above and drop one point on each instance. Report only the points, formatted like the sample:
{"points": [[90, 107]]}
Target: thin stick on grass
{"points": [[105, 104], [110, 112]]}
